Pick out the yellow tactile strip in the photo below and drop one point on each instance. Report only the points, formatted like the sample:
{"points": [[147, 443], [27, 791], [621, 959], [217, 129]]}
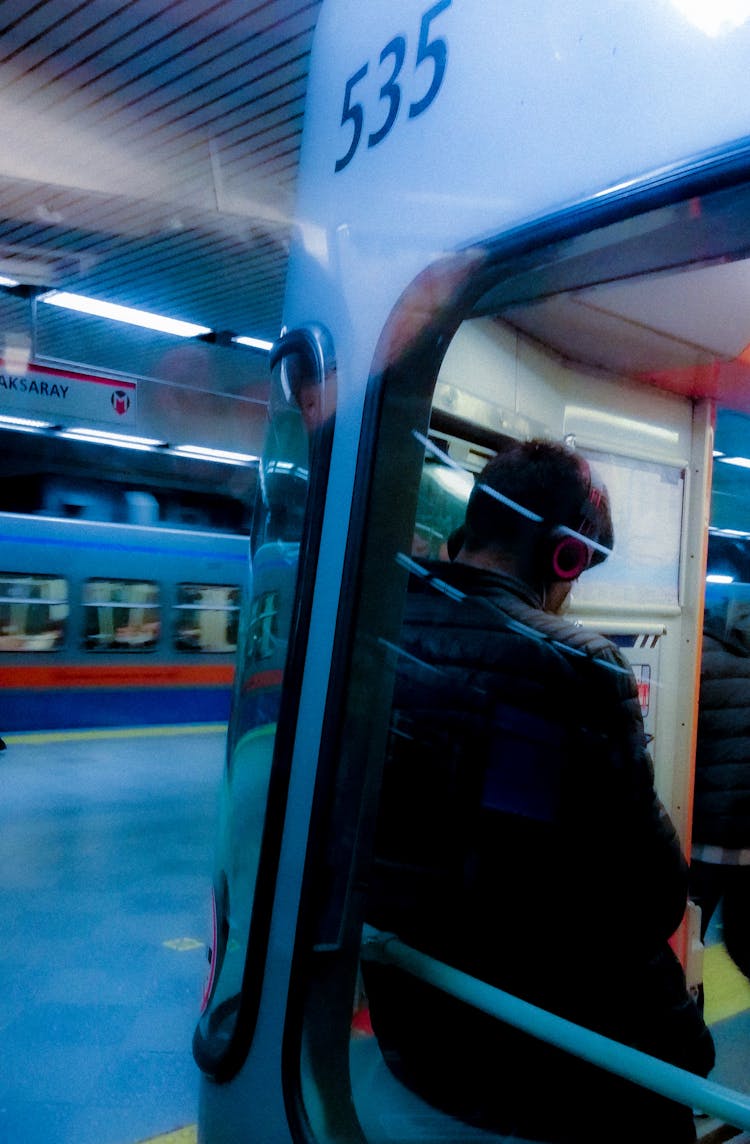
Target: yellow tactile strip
{"points": [[179, 1136], [726, 989], [33, 738]]}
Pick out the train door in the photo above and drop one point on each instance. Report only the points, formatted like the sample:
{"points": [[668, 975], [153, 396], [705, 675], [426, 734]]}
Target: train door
{"points": [[609, 324], [480, 350], [515, 371]]}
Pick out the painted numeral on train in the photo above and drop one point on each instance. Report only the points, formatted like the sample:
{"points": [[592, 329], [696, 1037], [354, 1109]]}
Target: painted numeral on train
{"points": [[431, 50]]}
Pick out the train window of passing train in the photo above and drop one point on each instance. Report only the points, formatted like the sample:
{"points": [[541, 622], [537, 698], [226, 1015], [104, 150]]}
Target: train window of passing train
{"points": [[619, 342], [207, 617], [121, 615], [271, 650], [33, 611]]}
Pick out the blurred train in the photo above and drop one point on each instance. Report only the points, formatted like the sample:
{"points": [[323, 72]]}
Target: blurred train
{"points": [[530, 222], [106, 625]]}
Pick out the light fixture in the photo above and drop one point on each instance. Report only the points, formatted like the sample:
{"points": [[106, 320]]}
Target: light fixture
{"points": [[740, 462], [714, 17], [116, 313], [224, 456], [24, 423], [106, 437], [253, 343], [98, 441], [716, 578], [9, 282], [93, 438]]}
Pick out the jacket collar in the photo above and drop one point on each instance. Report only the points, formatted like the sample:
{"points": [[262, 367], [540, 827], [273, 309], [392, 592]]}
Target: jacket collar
{"points": [[475, 581]]}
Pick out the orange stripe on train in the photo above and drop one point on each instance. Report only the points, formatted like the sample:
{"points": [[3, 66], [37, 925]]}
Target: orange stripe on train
{"points": [[117, 675]]}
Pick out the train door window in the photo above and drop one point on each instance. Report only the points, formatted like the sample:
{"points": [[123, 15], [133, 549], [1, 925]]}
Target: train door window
{"points": [[271, 650], [616, 341], [121, 615], [264, 625], [207, 617], [33, 611]]}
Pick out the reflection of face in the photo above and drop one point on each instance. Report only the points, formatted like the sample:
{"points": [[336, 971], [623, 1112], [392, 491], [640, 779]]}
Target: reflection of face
{"points": [[308, 399]]}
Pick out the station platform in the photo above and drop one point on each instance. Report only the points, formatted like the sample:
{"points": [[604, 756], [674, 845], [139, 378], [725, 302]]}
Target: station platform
{"points": [[106, 848]]}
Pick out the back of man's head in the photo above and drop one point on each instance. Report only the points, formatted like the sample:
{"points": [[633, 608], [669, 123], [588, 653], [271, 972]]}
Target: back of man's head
{"points": [[529, 499]]}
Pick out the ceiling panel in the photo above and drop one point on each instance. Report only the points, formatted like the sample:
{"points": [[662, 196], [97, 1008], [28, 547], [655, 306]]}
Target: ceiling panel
{"points": [[151, 151]]}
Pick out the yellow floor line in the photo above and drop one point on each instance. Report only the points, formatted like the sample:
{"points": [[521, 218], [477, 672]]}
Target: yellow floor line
{"points": [[180, 1136], [726, 989], [33, 738]]}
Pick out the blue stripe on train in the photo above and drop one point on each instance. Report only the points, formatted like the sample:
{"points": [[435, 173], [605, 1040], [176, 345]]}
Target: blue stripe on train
{"points": [[89, 707]]}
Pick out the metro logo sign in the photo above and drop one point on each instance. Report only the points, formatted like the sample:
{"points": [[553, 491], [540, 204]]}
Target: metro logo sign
{"points": [[65, 395], [120, 402]]}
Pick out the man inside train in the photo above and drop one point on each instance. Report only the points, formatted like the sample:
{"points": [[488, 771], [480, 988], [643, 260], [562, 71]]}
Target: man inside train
{"points": [[519, 835]]}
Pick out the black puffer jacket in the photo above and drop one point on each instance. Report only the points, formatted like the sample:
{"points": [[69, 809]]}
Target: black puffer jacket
{"points": [[520, 839], [721, 814]]}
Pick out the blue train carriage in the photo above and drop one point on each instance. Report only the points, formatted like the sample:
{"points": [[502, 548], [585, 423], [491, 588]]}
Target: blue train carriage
{"points": [[526, 222], [106, 624]]}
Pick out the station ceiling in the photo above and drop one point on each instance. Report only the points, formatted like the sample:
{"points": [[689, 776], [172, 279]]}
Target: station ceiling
{"points": [[150, 151]]}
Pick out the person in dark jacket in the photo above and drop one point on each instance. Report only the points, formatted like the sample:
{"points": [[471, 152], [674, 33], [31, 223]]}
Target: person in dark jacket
{"points": [[720, 866], [519, 835]]}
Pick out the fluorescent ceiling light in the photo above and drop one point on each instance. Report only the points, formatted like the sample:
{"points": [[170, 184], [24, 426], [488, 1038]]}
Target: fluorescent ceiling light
{"points": [[8, 281], [127, 314], [93, 439], [23, 422], [715, 578], [107, 438], [286, 467], [203, 453], [254, 343], [714, 17], [735, 532], [740, 462], [718, 453]]}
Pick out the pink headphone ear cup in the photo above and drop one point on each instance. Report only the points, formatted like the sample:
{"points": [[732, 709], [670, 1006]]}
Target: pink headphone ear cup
{"points": [[570, 557]]}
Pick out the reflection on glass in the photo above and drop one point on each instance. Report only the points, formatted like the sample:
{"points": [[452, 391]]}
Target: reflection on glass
{"points": [[720, 859], [560, 347], [120, 615], [33, 611], [300, 411], [207, 617]]}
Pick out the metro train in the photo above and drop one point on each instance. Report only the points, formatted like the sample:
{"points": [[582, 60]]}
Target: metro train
{"points": [[528, 222], [116, 625]]}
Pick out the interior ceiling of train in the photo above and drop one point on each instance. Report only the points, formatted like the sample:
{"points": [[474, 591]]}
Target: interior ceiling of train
{"points": [[150, 156]]}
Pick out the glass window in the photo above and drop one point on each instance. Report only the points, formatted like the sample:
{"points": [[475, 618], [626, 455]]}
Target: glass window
{"points": [[264, 625], [271, 650], [33, 611], [207, 617], [620, 344], [121, 615]]}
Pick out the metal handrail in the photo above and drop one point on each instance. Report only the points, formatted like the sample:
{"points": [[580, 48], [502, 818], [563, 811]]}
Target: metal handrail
{"points": [[650, 1072]]}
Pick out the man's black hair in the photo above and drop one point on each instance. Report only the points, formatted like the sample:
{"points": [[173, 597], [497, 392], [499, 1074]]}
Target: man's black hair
{"points": [[543, 485]]}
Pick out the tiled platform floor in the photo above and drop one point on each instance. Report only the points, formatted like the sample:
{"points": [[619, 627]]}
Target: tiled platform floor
{"points": [[106, 845]]}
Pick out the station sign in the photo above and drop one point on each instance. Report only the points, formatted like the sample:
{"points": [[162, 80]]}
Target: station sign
{"points": [[62, 395]]}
